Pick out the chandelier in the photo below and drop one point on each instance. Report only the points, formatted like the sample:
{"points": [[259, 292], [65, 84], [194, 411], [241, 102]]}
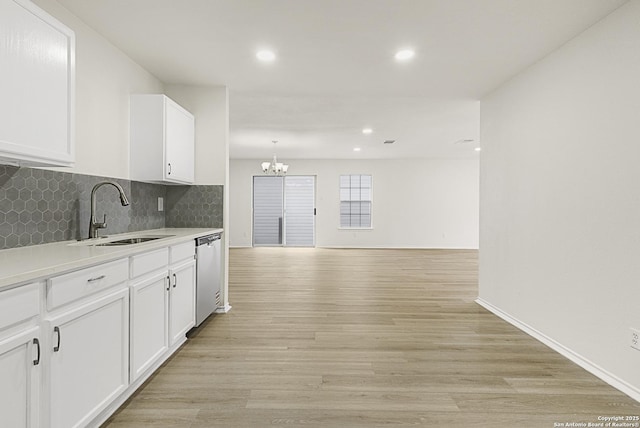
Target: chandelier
{"points": [[274, 167]]}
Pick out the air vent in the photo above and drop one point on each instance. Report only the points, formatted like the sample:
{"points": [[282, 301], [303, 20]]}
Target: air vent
{"points": [[389, 141]]}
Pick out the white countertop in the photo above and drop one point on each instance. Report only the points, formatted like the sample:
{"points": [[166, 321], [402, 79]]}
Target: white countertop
{"points": [[36, 262]]}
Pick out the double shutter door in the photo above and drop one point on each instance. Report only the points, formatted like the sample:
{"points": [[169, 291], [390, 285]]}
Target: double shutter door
{"points": [[284, 211]]}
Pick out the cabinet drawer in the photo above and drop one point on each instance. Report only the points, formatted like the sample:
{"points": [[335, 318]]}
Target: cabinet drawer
{"points": [[182, 252], [19, 304], [76, 285], [149, 262]]}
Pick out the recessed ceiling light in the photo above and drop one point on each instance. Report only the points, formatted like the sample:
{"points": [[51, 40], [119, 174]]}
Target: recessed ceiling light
{"points": [[356, 149], [367, 131], [405, 54], [477, 149], [266, 55]]}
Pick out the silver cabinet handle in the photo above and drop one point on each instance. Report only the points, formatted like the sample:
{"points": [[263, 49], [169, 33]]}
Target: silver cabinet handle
{"points": [[175, 280], [168, 282], [169, 173], [37, 343], [57, 331], [97, 278]]}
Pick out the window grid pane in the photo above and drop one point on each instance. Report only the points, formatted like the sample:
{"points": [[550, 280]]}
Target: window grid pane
{"points": [[355, 201]]}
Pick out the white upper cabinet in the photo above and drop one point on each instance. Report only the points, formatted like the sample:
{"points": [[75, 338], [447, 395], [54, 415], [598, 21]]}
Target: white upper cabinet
{"points": [[37, 80], [162, 140]]}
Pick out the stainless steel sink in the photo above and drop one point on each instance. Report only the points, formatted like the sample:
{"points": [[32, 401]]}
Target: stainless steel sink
{"points": [[129, 241], [115, 242]]}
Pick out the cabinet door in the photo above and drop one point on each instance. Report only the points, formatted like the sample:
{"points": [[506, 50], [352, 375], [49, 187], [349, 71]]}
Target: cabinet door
{"points": [[182, 303], [37, 54], [20, 379], [149, 322], [179, 143], [89, 359]]}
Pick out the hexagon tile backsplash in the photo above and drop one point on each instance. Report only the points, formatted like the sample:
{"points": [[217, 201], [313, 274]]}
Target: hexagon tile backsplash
{"points": [[39, 206], [193, 206]]}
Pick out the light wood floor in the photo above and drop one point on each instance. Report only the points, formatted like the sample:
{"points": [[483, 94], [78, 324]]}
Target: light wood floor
{"points": [[364, 338]]}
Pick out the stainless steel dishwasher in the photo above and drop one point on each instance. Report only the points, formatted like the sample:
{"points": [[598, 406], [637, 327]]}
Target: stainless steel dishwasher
{"points": [[207, 276]]}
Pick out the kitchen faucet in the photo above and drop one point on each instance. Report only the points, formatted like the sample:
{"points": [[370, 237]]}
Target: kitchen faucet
{"points": [[93, 223]]}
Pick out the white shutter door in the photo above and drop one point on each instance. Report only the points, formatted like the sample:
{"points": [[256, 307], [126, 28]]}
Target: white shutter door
{"points": [[299, 211], [267, 210]]}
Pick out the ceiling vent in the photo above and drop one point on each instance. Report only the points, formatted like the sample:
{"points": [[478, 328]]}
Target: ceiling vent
{"points": [[389, 141]]}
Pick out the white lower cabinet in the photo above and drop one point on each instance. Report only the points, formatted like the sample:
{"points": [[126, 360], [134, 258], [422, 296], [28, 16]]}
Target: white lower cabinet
{"points": [[182, 303], [74, 347], [20, 362], [20, 356], [88, 359], [149, 322], [162, 304]]}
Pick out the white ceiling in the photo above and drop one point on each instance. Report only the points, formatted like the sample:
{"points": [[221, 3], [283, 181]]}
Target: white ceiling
{"points": [[335, 72]]}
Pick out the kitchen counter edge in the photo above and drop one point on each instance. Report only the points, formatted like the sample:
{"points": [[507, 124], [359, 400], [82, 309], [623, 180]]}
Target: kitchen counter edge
{"points": [[37, 262]]}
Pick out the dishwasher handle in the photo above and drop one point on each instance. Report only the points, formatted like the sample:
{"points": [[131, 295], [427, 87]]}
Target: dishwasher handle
{"points": [[206, 240]]}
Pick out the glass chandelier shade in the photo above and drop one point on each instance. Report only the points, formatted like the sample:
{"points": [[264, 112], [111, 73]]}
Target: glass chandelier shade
{"points": [[274, 167]]}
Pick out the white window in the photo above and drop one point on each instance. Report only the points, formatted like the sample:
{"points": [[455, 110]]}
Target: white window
{"points": [[355, 201]]}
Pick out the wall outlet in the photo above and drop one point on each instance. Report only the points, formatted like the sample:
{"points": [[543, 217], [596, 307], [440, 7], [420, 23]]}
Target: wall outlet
{"points": [[635, 339], [160, 203]]}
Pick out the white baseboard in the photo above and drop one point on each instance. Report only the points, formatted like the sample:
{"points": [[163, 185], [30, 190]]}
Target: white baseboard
{"points": [[364, 247], [589, 366], [391, 247], [223, 309]]}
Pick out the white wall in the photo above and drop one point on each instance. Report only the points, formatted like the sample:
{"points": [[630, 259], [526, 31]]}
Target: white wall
{"points": [[560, 205], [210, 106], [416, 203], [105, 77]]}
